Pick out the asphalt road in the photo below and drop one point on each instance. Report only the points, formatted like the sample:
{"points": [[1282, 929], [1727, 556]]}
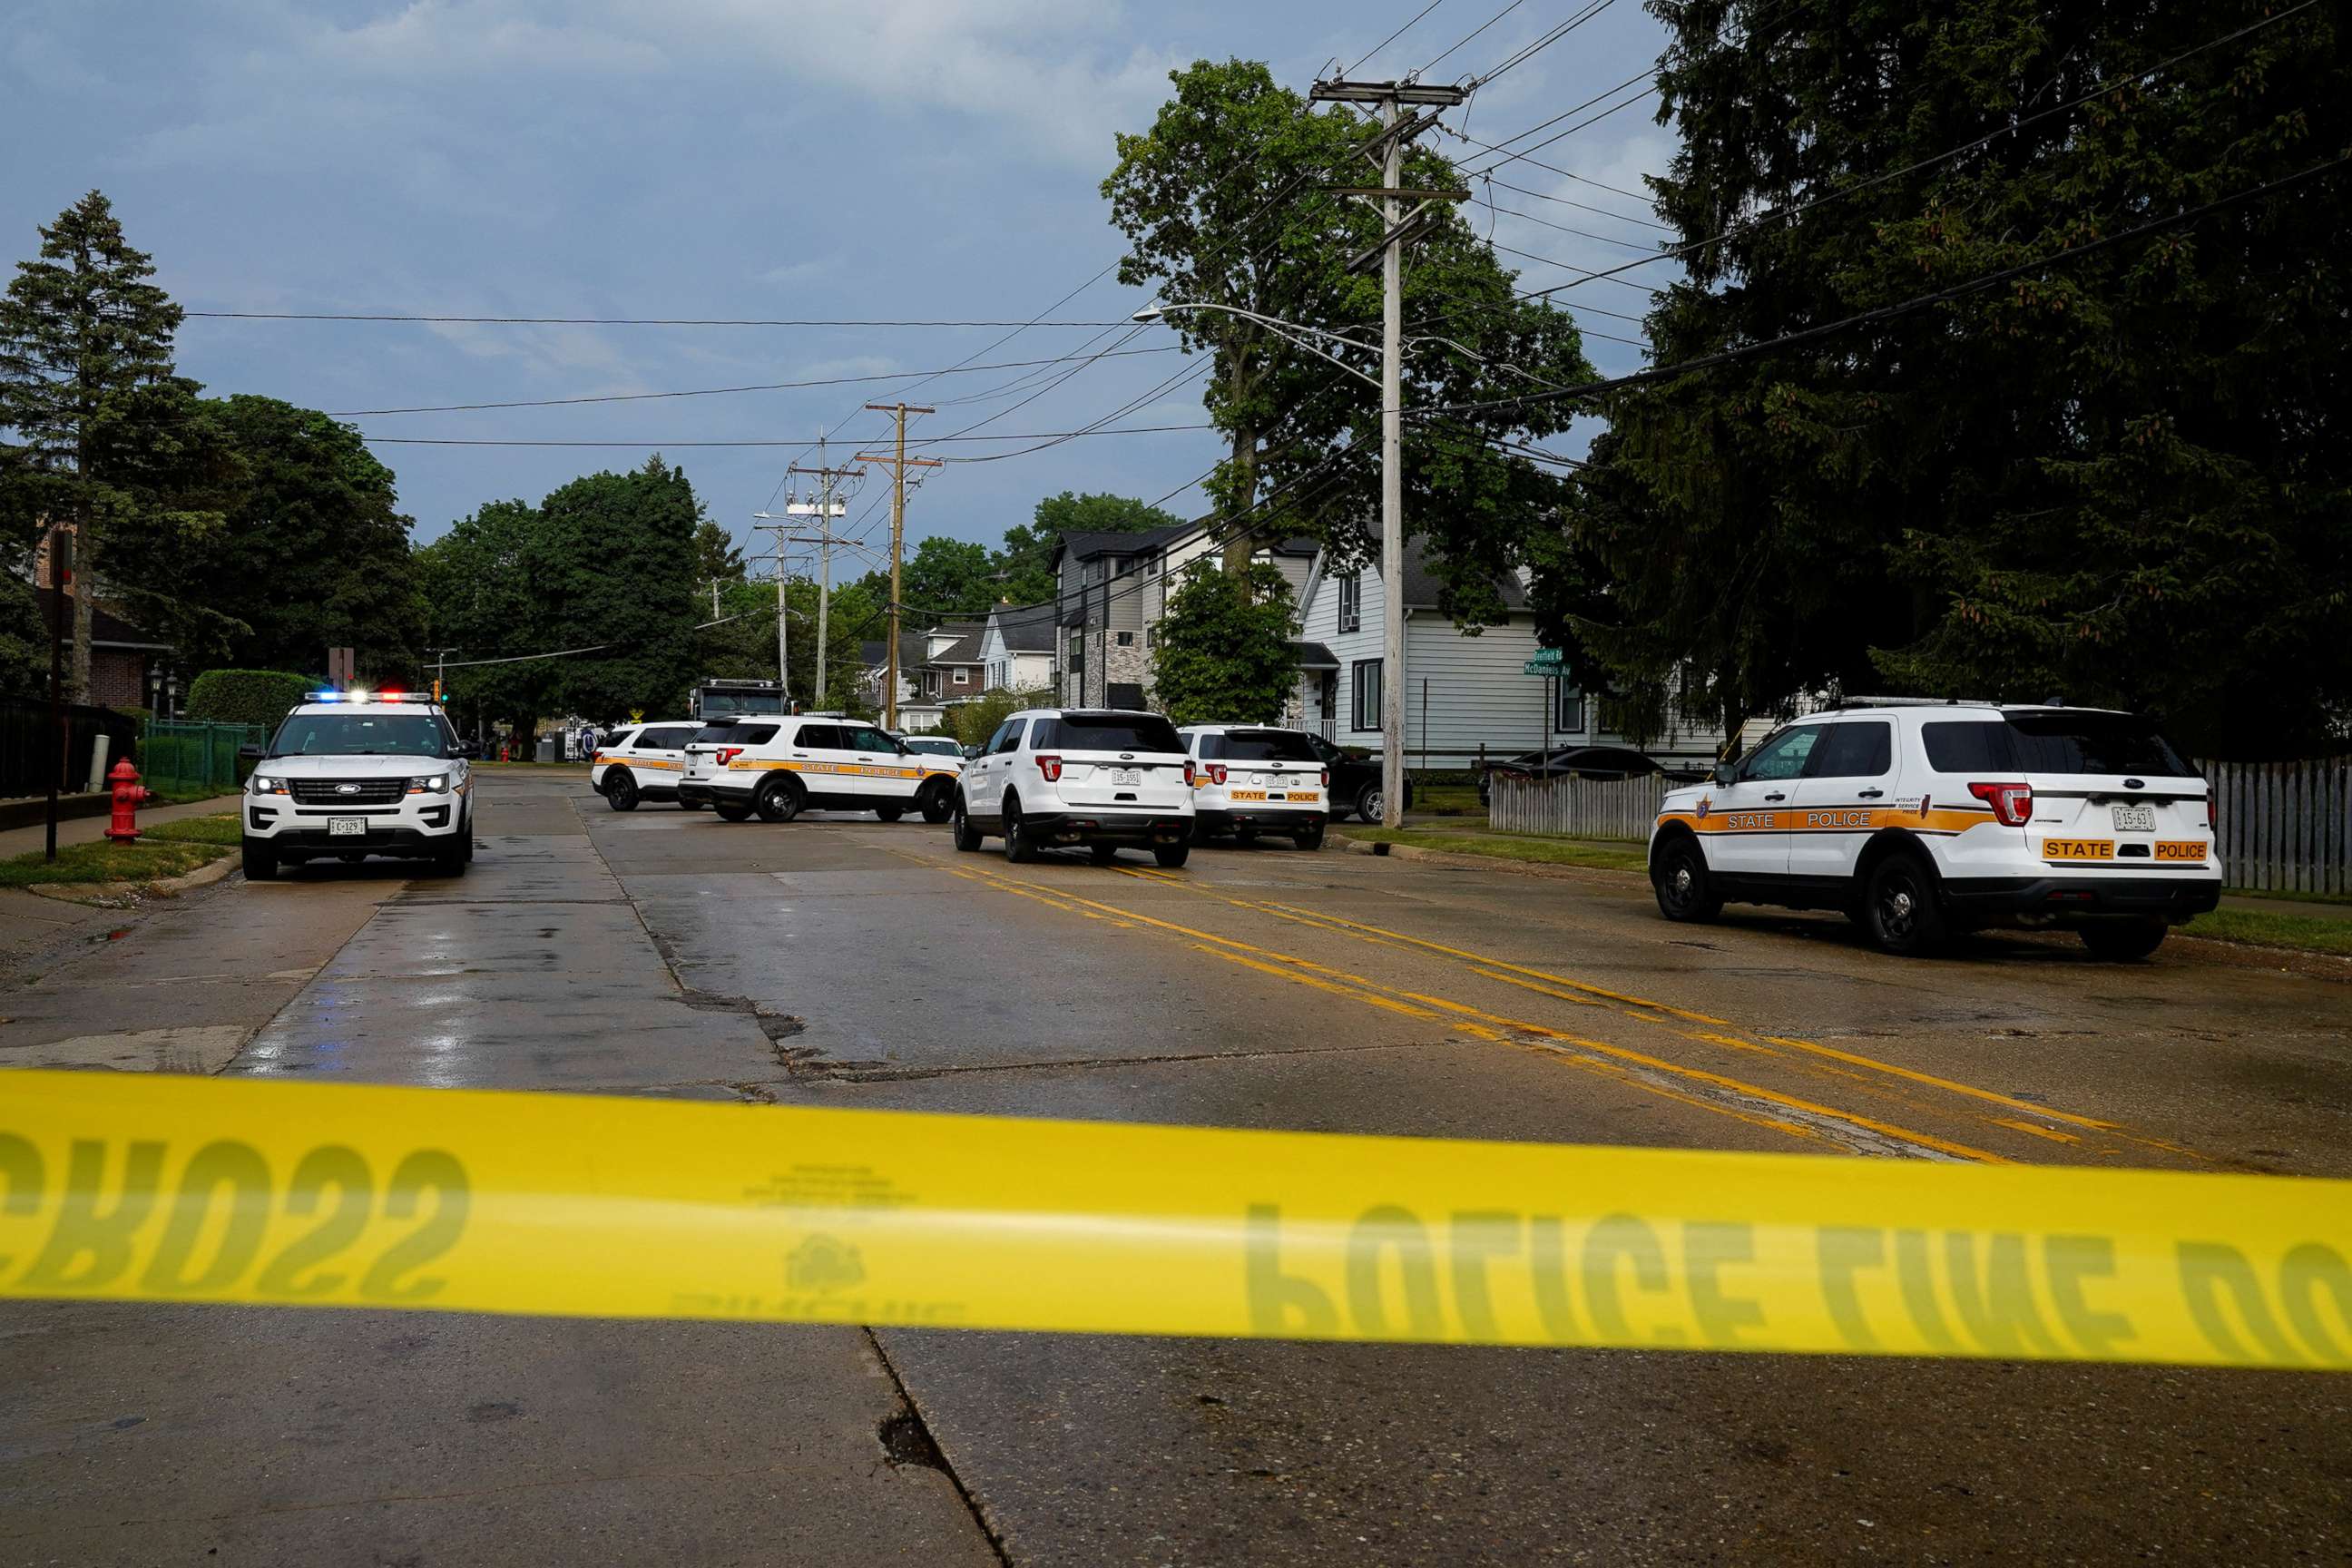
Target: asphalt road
{"points": [[843, 962]]}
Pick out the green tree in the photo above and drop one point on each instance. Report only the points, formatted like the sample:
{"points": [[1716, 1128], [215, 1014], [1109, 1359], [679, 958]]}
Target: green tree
{"points": [[717, 557], [313, 551], [945, 577], [1224, 651], [619, 571], [1023, 569], [477, 582], [1226, 200], [2126, 479], [107, 438]]}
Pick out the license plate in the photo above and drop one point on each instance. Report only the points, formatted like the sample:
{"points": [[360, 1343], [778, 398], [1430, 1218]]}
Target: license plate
{"points": [[346, 827], [1126, 776], [2134, 820]]}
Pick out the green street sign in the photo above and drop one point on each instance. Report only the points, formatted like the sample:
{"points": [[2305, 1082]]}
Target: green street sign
{"points": [[1546, 661]]}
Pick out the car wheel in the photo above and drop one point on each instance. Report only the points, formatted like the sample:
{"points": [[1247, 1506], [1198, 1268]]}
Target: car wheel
{"points": [[935, 803], [620, 790], [1310, 837], [2120, 940], [777, 799], [1680, 880], [260, 862], [1019, 847], [967, 837], [732, 811], [1102, 853], [1369, 804], [889, 813], [450, 861], [1903, 910], [1172, 856]]}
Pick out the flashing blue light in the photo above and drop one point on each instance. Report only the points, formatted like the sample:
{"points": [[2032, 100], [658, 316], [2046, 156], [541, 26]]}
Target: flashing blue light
{"points": [[322, 697]]}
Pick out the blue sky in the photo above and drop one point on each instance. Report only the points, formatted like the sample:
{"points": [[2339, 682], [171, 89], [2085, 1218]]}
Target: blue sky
{"points": [[835, 159]]}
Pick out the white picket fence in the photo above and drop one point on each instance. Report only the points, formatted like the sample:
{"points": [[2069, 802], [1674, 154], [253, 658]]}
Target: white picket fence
{"points": [[1576, 808], [2284, 826]]}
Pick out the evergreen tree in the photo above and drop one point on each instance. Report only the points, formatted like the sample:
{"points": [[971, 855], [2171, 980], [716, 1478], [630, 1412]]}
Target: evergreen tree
{"points": [[620, 559], [2126, 479], [106, 438]]}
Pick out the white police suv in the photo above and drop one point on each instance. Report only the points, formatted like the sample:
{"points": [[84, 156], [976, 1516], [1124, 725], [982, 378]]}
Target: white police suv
{"points": [[1922, 818], [353, 773], [1070, 775], [641, 761], [1249, 779], [784, 765]]}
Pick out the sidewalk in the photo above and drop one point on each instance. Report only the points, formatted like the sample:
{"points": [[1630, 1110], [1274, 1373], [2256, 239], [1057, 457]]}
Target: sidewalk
{"points": [[89, 829]]}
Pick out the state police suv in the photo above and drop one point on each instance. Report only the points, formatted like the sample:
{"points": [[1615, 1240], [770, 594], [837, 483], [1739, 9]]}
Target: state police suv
{"points": [[353, 773], [1919, 819], [781, 766]]}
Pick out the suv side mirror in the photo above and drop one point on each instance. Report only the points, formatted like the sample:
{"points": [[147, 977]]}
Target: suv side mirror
{"points": [[1724, 773], [249, 753], [466, 752], [971, 754]]}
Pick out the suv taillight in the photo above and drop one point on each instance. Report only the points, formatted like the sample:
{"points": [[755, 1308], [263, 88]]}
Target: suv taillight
{"points": [[726, 754], [2212, 817], [2012, 803], [1326, 778], [1051, 767], [1219, 772], [1192, 774]]}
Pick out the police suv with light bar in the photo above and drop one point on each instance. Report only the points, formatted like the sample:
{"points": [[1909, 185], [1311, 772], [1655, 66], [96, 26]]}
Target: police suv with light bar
{"points": [[354, 774], [1922, 818]]}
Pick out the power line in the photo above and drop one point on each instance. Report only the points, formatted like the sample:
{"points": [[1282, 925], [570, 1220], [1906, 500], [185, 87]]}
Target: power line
{"points": [[718, 391], [1431, 64], [1053, 435], [1374, 51], [1547, 41], [607, 321], [1581, 206]]}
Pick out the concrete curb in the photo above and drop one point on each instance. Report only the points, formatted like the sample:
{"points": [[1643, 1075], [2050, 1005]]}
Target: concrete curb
{"points": [[120, 895], [1461, 861]]}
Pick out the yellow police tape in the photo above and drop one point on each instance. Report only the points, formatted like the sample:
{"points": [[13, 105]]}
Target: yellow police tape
{"points": [[172, 1189]]}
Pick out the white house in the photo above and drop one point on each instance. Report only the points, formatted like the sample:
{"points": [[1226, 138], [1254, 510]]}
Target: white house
{"points": [[1113, 593], [1463, 690], [1016, 647]]}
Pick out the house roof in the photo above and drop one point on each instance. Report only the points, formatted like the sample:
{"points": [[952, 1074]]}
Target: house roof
{"points": [[1315, 656], [1086, 546], [965, 649], [1421, 581], [914, 649], [1026, 628]]}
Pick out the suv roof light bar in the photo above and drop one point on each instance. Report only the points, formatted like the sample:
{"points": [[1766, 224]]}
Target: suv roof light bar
{"points": [[1846, 702]]}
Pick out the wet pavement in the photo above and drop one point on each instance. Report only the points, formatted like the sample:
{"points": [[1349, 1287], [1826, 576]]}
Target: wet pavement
{"points": [[838, 961]]}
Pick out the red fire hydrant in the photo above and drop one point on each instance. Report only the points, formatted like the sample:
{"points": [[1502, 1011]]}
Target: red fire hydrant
{"points": [[128, 792]]}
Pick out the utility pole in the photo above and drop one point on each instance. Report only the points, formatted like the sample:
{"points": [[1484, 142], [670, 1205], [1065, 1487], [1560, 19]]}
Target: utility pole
{"points": [[1400, 228], [62, 543], [824, 509], [899, 465]]}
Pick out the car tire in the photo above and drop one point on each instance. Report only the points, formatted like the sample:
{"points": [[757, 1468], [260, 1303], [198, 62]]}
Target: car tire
{"points": [[620, 790], [732, 810], [889, 813], [967, 837], [1019, 848], [1172, 856], [449, 859], [2121, 942], [1368, 801], [260, 862], [1245, 835], [1679, 878], [778, 798], [1903, 910], [1102, 853], [936, 803], [1309, 838]]}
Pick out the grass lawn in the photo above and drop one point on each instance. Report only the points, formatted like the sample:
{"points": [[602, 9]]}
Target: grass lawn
{"points": [[167, 849], [2303, 934], [2289, 898], [1447, 800], [1590, 854]]}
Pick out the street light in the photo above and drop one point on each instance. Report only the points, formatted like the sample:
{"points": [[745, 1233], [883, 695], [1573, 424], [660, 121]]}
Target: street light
{"points": [[1392, 527]]}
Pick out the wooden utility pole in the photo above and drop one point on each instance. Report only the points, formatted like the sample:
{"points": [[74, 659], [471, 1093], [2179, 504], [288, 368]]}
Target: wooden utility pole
{"points": [[824, 509], [899, 465]]}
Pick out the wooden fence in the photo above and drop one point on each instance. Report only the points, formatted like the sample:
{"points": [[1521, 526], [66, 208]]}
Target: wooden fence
{"points": [[1576, 808], [2284, 826]]}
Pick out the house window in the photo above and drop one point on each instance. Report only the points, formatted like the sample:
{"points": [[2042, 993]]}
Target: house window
{"points": [[1571, 709], [963, 676], [1151, 566], [1365, 690], [1078, 653], [1127, 639], [1351, 604]]}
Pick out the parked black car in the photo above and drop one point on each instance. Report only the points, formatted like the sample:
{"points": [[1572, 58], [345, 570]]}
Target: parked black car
{"points": [[1355, 782], [1569, 762]]}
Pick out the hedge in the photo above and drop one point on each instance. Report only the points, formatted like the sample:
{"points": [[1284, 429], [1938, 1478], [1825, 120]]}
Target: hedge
{"points": [[246, 696]]}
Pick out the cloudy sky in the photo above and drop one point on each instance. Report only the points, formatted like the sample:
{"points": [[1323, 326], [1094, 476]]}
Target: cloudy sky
{"points": [[869, 159]]}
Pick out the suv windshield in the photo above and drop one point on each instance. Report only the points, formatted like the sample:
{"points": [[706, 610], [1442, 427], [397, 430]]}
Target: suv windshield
{"points": [[360, 735], [1257, 746], [1106, 733]]}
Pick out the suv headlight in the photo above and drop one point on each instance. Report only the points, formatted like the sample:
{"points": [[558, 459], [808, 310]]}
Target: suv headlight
{"points": [[266, 783], [438, 783]]}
